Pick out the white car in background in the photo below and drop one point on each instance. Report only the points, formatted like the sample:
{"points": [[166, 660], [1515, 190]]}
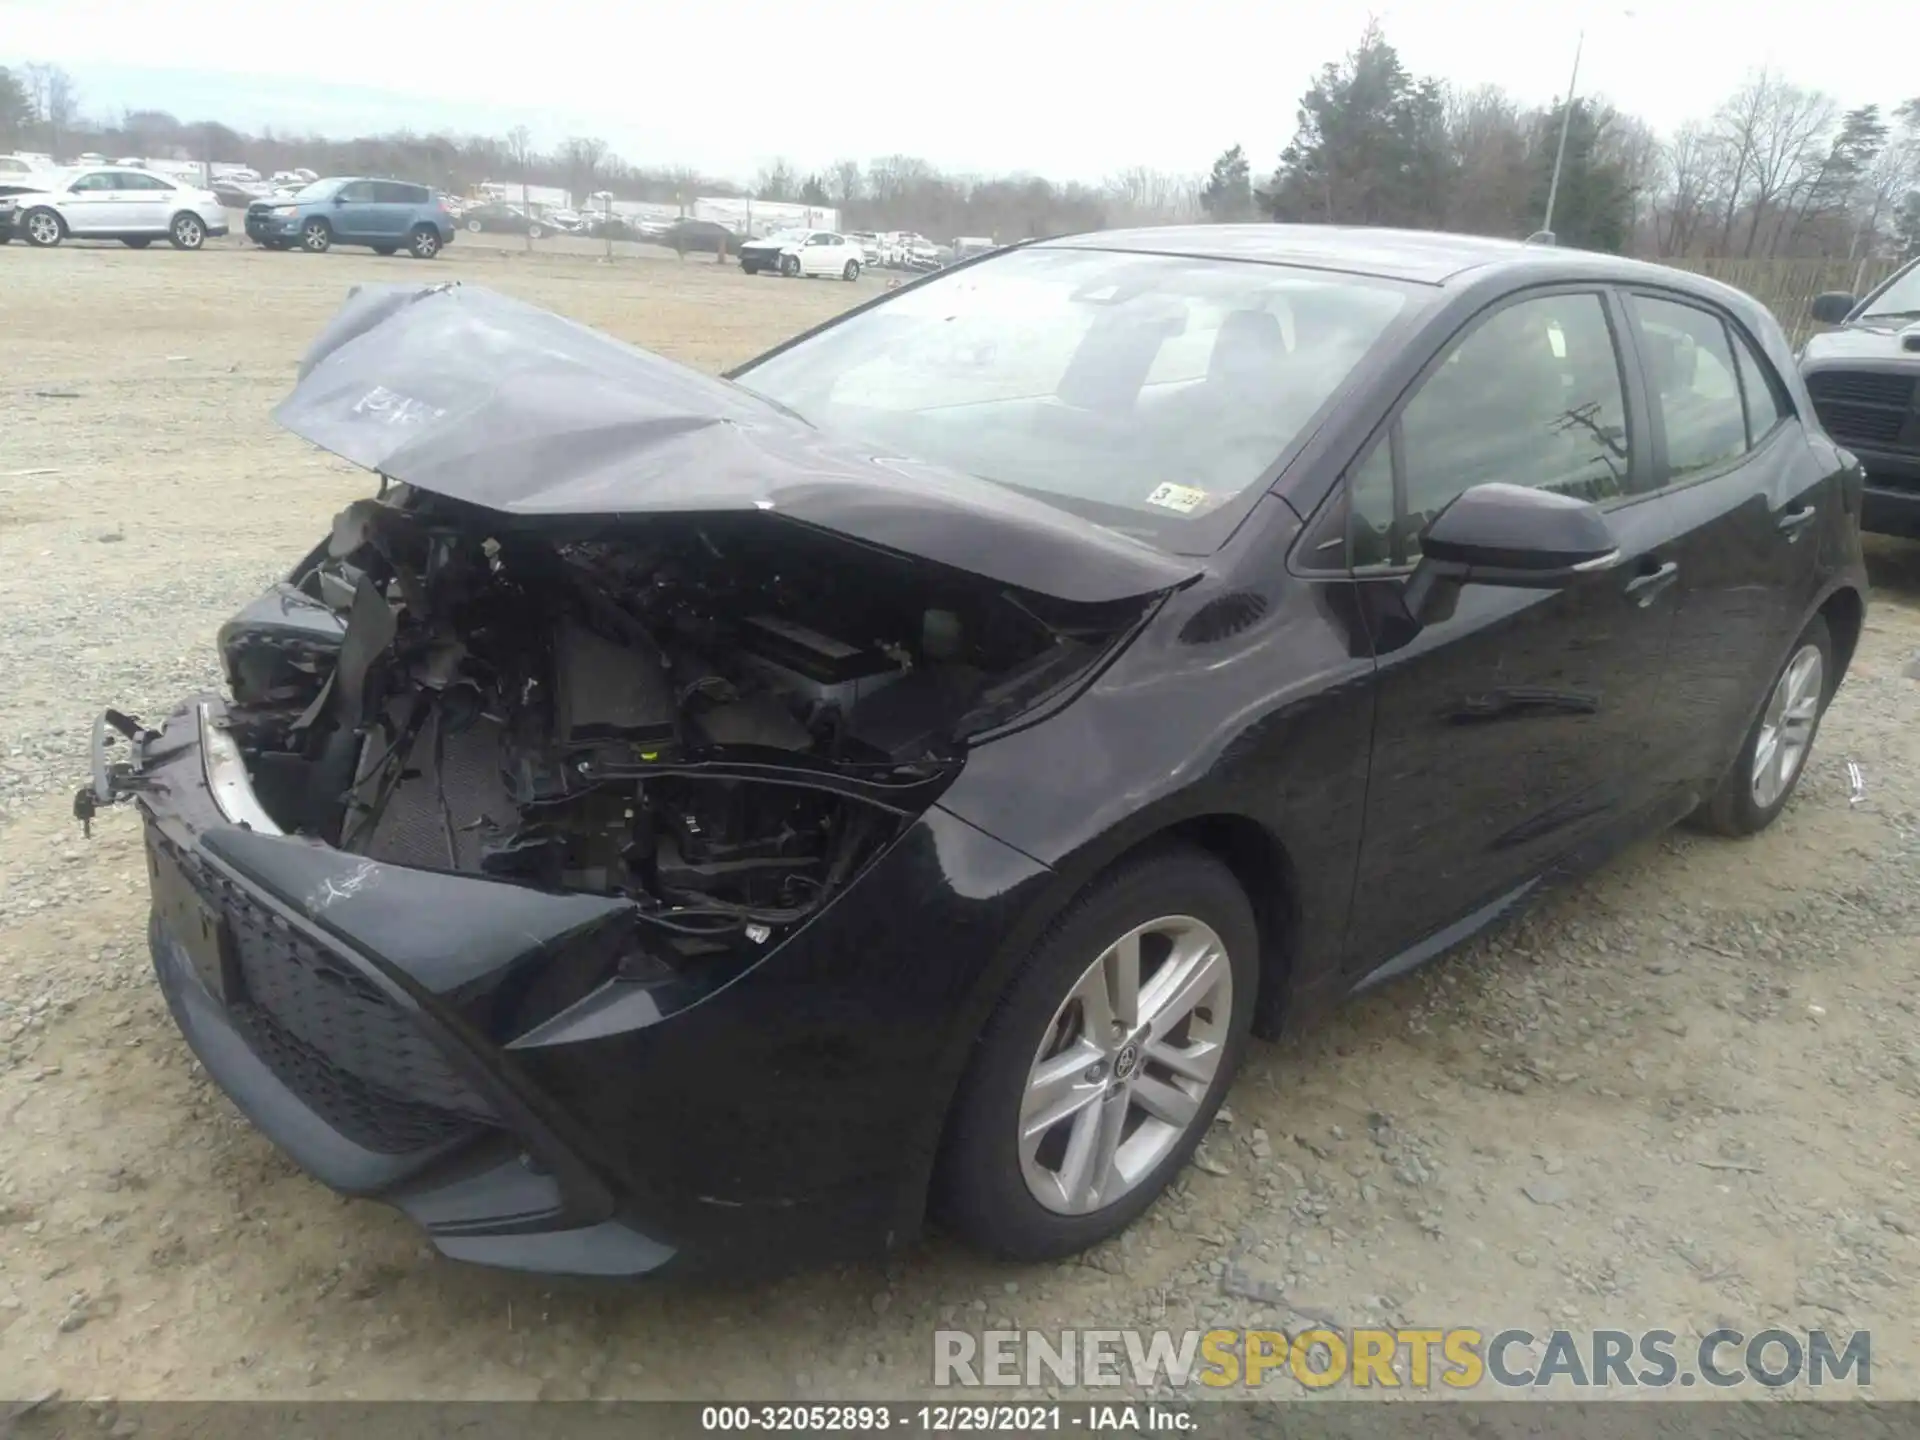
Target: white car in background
{"points": [[108, 203], [804, 252]]}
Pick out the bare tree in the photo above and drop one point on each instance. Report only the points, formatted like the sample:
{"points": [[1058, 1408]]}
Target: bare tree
{"points": [[1775, 132], [581, 156], [776, 181], [55, 100], [520, 151], [846, 183], [1689, 163], [1142, 196]]}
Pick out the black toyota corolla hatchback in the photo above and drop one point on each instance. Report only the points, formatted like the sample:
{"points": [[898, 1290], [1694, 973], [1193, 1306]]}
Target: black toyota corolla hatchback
{"points": [[683, 818]]}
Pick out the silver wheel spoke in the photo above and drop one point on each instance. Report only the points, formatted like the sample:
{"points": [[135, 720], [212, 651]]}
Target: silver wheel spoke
{"points": [[1194, 1062], [1059, 1088], [1786, 728], [1183, 982], [1165, 1102], [1122, 972]]}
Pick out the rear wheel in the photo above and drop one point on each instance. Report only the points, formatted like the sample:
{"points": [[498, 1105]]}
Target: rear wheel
{"points": [[534, 232], [424, 242], [474, 227], [188, 231], [852, 272], [1103, 1065], [1769, 766], [316, 237], [43, 228]]}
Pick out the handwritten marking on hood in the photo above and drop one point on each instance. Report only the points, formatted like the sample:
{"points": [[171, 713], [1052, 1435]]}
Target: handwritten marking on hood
{"points": [[395, 408], [332, 890]]}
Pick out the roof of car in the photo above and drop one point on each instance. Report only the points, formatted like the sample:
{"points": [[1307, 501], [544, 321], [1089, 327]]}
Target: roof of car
{"points": [[1426, 256]]}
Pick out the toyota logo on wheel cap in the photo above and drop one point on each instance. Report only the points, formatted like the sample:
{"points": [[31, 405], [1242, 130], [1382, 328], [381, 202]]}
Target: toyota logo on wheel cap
{"points": [[1127, 1061]]}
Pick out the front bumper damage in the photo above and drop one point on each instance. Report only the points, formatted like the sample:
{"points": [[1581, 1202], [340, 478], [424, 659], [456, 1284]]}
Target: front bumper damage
{"points": [[401, 1034]]}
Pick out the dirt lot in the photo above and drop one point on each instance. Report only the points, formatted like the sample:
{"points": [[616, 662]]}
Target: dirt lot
{"points": [[1684, 1094]]}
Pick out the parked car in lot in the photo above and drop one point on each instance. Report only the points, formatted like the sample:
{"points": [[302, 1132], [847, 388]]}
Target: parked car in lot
{"points": [[1865, 381], [803, 252], [497, 217], [385, 215], [688, 819], [135, 207], [708, 236]]}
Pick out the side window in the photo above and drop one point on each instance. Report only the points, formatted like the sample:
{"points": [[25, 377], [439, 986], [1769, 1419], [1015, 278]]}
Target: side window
{"points": [[358, 193], [91, 184], [1758, 384], [1690, 369], [1531, 396]]}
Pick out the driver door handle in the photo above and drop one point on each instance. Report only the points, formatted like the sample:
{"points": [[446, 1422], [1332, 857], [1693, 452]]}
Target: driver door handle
{"points": [[1794, 521], [1645, 588]]}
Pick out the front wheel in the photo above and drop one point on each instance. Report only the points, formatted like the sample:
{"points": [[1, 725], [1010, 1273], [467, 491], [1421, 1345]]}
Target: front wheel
{"points": [[188, 231], [316, 237], [43, 228], [1102, 1067], [1769, 766], [789, 265], [424, 242], [852, 272]]}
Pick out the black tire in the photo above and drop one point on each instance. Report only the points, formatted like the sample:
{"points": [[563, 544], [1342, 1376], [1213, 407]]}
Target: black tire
{"points": [[789, 265], [1735, 809], [187, 231], [424, 242], [748, 268], [316, 237], [136, 242], [474, 227], [534, 232], [43, 227], [852, 272], [980, 1189]]}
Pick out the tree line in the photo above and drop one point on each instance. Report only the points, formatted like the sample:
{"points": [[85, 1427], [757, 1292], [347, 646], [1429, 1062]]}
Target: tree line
{"points": [[1775, 170]]}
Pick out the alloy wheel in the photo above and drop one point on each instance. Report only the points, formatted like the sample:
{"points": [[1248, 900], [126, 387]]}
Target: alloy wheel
{"points": [[426, 244], [1124, 1065], [1786, 727], [43, 228], [188, 233], [316, 237]]}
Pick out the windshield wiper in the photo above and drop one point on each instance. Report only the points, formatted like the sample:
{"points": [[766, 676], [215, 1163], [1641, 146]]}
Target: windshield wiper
{"points": [[1891, 315]]}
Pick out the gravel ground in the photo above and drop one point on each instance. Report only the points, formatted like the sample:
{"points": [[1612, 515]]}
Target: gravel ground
{"points": [[1682, 1094]]}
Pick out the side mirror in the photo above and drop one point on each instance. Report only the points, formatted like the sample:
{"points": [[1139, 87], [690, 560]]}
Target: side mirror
{"points": [[339, 199], [1833, 307], [1507, 535]]}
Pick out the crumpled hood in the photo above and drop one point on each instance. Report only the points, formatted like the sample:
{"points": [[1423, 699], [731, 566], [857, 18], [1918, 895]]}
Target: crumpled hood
{"points": [[1875, 340], [472, 395]]}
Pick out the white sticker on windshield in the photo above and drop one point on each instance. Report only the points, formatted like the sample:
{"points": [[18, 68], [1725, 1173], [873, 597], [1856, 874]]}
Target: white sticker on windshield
{"points": [[1183, 498]]}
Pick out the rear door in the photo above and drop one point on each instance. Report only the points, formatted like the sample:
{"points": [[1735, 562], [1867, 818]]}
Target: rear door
{"points": [[1517, 728], [1749, 504], [393, 207], [145, 202]]}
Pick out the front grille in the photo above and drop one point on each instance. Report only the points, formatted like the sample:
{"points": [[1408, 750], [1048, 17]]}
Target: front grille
{"points": [[1865, 407], [332, 1036]]}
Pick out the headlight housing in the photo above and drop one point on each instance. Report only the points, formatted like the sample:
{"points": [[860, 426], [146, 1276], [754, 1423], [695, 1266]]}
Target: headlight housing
{"points": [[285, 210]]}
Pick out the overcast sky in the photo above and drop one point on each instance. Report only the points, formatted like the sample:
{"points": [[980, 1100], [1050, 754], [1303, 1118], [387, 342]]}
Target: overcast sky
{"points": [[1065, 88]]}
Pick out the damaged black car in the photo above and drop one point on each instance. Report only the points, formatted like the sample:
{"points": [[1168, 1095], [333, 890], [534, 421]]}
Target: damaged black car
{"points": [[680, 820]]}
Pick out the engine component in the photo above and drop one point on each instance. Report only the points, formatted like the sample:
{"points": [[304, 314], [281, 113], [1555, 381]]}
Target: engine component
{"points": [[757, 720], [816, 667], [604, 690]]}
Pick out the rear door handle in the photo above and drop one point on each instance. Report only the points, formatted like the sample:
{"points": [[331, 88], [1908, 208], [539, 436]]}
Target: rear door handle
{"points": [[1794, 521], [1645, 589]]}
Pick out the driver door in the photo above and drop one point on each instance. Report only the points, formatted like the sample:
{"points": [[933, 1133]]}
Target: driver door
{"points": [[816, 254], [92, 204], [1525, 723]]}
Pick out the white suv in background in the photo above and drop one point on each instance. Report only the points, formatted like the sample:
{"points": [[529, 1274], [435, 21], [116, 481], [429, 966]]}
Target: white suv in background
{"points": [[112, 203]]}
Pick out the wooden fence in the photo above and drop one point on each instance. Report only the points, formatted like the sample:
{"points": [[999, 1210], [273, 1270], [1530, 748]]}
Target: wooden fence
{"points": [[1787, 287]]}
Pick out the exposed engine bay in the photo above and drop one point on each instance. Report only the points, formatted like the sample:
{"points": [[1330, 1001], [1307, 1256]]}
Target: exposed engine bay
{"points": [[721, 717]]}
